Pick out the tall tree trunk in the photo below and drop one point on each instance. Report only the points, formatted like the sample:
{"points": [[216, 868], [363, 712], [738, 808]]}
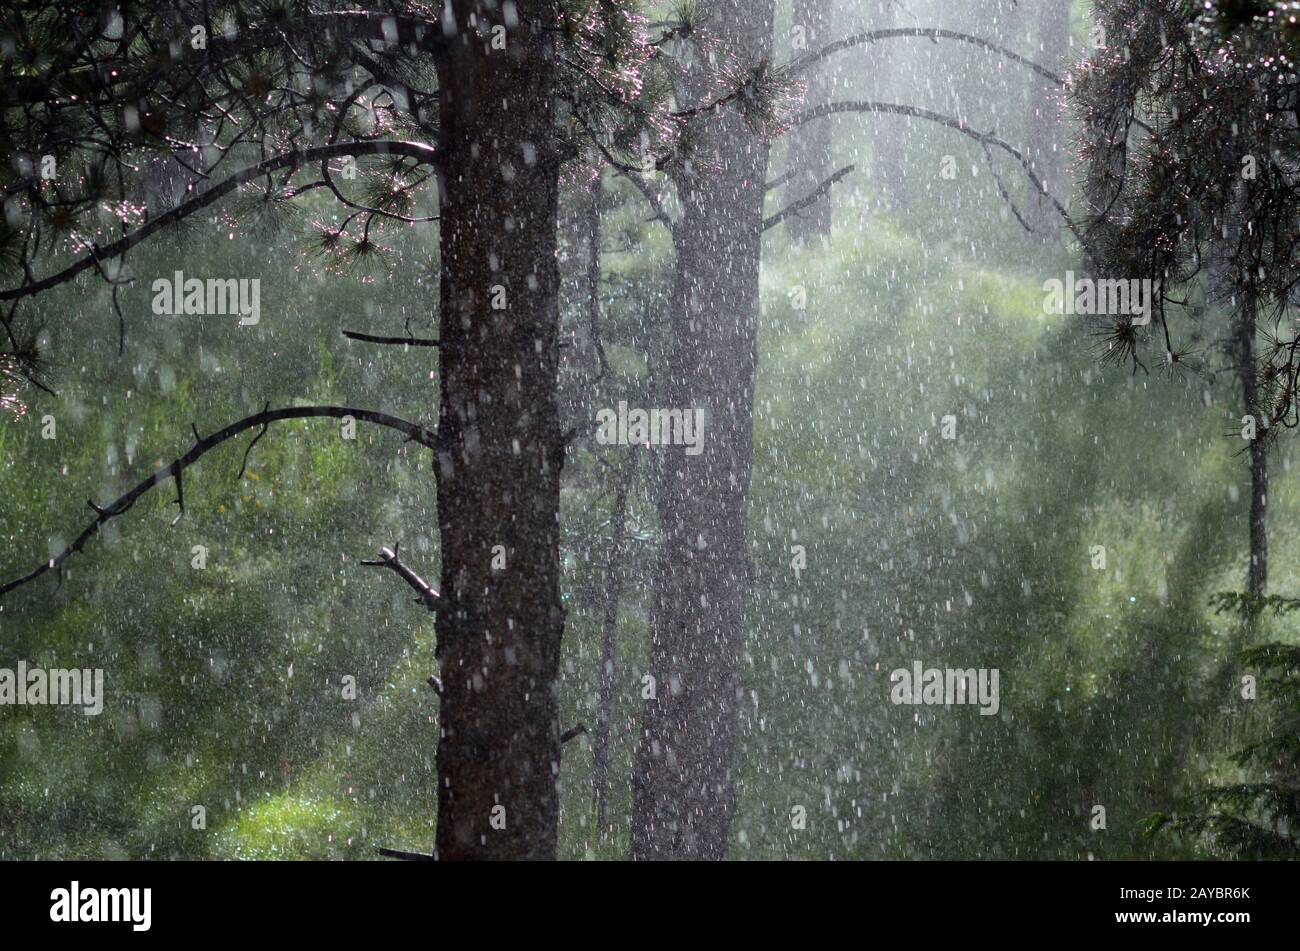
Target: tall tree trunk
{"points": [[889, 160], [499, 444], [609, 637], [683, 786], [1044, 147], [1232, 287], [1257, 574], [808, 159]]}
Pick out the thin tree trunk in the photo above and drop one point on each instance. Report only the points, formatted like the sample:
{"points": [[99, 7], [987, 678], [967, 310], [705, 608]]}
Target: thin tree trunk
{"points": [[1229, 286], [500, 448], [808, 159], [1257, 574], [593, 274], [1044, 149], [683, 785], [888, 157], [609, 636]]}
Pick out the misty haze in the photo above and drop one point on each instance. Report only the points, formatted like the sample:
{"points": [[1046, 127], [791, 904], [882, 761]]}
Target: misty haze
{"points": [[607, 430]]}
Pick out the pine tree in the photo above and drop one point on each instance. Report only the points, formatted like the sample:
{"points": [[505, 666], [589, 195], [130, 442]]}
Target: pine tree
{"points": [[259, 103], [1258, 817]]}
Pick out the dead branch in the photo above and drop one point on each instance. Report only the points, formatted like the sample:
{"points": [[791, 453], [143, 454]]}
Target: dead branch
{"points": [[573, 733], [958, 125], [403, 854], [802, 63], [811, 198], [778, 181], [392, 341], [424, 591], [413, 431], [660, 213]]}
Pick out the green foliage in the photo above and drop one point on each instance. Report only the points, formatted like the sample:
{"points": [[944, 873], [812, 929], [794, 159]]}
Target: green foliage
{"points": [[225, 683], [1261, 819], [1250, 606]]}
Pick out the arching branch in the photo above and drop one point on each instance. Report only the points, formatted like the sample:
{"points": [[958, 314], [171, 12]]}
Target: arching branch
{"points": [[173, 470], [802, 63], [293, 159], [985, 139]]}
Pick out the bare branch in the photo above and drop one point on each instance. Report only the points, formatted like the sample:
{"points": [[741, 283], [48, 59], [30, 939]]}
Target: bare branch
{"points": [[802, 63], [573, 733], [638, 183], [180, 493], [811, 198], [779, 181], [243, 466], [414, 431], [393, 341], [424, 591], [958, 125], [1006, 196], [403, 854]]}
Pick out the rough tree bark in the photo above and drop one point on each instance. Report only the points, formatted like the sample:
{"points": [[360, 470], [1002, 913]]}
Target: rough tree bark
{"points": [[683, 785], [500, 447], [609, 638], [1257, 574], [808, 159]]}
